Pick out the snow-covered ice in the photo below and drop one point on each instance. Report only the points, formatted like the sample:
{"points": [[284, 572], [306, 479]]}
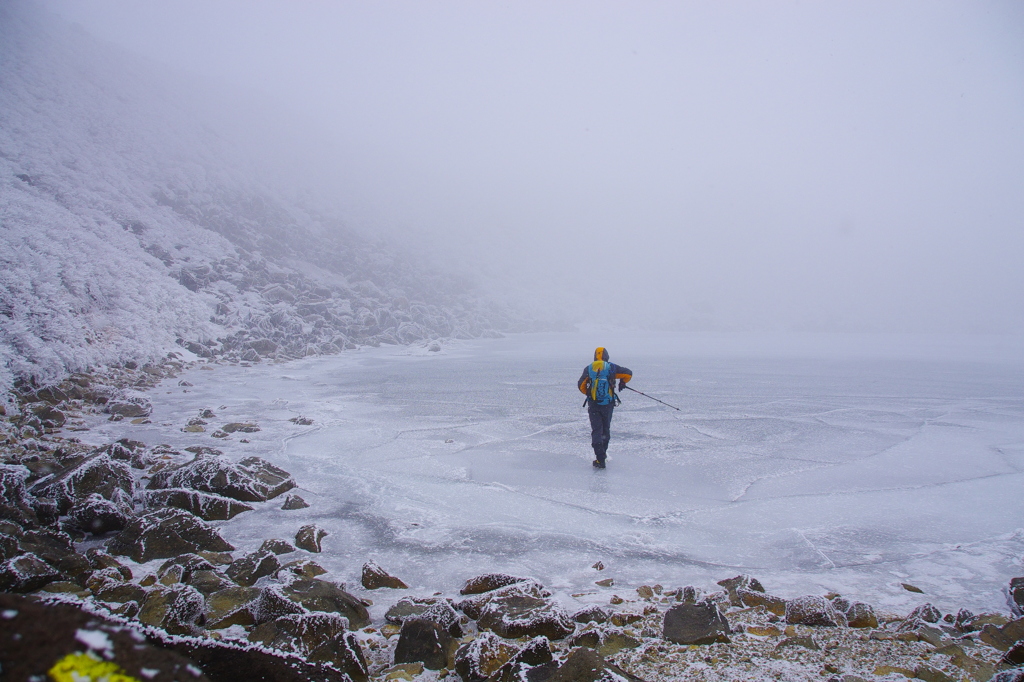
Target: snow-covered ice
{"points": [[850, 464]]}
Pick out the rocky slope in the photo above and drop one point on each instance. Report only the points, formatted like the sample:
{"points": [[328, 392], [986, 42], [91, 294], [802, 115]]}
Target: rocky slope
{"points": [[121, 545], [141, 210]]}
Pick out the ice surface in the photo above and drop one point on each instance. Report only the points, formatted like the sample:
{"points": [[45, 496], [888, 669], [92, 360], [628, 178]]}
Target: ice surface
{"points": [[850, 464]]}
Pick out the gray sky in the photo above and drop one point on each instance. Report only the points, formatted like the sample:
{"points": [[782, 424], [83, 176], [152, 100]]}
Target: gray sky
{"points": [[768, 165]]}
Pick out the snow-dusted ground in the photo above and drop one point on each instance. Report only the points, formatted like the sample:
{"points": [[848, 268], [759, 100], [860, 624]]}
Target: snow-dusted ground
{"points": [[847, 464]]}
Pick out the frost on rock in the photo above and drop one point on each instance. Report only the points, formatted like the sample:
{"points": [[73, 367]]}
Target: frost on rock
{"points": [[478, 659], [374, 577], [176, 609], [98, 474], [309, 537], [129, 404], [15, 503], [97, 515], [251, 480], [475, 604], [26, 573], [207, 506], [489, 582], [519, 615], [319, 638], [813, 610], [166, 533]]}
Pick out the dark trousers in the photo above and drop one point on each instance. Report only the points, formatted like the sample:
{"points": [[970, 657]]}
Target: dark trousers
{"points": [[600, 428]]}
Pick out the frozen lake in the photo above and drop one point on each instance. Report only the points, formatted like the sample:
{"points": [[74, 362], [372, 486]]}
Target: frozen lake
{"points": [[846, 464]]}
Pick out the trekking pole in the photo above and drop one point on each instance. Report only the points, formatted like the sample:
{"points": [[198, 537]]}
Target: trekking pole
{"points": [[654, 399]]}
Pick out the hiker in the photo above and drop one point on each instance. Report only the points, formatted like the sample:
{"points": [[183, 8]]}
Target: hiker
{"points": [[598, 383]]}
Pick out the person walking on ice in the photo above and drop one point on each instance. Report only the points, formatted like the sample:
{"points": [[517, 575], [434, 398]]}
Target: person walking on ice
{"points": [[598, 383]]}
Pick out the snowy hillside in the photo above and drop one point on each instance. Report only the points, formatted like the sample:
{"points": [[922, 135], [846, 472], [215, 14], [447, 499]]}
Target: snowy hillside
{"points": [[132, 219]]}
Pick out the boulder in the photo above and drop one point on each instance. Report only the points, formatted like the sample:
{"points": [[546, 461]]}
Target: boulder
{"points": [[861, 615], [744, 582], [320, 595], [129, 405], [701, 623], [207, 506], [520, 615], [122, 593], [1003, 637], [442, 613], [250, 568], [813, 610], [926, 613], [423, 641], [56, 549], [408, 607], [481, 657], [97, 474], [42, 641], [251, 480], [26, 573], [97, 515], [179, 610], [772, 604], [166, 533], [591, 614], [292, 502], [277, 546], [303, 568], [243, 427], [374, 577], [15, 503], [209, 582], [309, 537], [49, 415], [184, 566], [473, 606], [532, 662], [318, 637], [489, 582], [586, 665], [1016, 596], [231, 606]]}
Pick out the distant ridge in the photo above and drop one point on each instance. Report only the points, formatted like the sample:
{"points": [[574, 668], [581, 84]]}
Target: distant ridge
{"points": [[130, 221]]}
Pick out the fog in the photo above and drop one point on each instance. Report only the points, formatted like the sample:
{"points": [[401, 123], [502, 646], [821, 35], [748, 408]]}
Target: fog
{"points": [[702, 166]]}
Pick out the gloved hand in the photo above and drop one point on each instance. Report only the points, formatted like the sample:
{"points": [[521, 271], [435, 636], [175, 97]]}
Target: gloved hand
{"points": [[622, 384]]}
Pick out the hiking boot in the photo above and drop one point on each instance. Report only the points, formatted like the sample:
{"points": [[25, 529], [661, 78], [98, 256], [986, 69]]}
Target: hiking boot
{"points": [[598, 464]]}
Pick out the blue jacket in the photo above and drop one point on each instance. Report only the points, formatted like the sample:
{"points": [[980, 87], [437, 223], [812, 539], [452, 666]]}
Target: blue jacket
{"points": [[615, 373]]}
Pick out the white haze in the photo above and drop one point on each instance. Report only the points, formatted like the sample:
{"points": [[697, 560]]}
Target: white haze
{"points": [[725, 165]]}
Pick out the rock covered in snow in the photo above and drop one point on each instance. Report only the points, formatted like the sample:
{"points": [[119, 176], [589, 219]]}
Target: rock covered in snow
{"points": [[473, 605], [319, 638], [177, 609], [519, 615], [424, 641], [292, 502], [26, 573], [251, 480], [207, 506], [532, 662], [478, 659], [248, 569], [321, 595], [309, 537], [97, 515], [813, 610], [374, 577], [586, 665], [277, 546], [489, 582], [98, 474], [15, 503], [38, 638], [166, 533], [129, 404], [771, 603]]}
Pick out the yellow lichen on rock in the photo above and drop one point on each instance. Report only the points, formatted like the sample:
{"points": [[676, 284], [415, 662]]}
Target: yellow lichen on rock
{"points": [[79, 667]]}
